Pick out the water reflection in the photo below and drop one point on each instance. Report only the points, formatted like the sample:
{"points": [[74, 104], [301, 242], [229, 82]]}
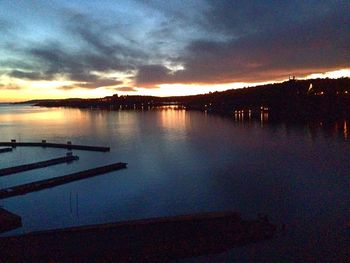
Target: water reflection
{"points": [[314, 129], [346, 130], [173, 118], [33, 116], [243, 115], [264, 118], [333, 129]]}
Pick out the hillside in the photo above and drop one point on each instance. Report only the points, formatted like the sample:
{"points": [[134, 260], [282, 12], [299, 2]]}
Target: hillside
{"points": [[326, 98]]}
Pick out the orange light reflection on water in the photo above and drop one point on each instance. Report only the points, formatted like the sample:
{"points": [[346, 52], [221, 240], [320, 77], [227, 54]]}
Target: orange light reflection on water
{"points": [[173, 118], [56, 115], [346, 130]]}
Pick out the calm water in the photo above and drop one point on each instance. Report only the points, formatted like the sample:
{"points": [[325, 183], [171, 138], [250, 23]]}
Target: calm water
{"points": [[183, 162]]}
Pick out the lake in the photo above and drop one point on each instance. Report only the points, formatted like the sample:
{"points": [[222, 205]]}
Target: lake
{"points": [[182, 162]]}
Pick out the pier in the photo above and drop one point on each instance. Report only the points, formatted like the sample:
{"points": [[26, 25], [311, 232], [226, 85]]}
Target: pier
{"points": [[146, 240], [37, 165], [9, 221], [4, 150], [46, 144], [48, 183]]}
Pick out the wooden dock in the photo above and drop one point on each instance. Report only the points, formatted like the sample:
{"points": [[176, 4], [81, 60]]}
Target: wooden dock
{"points": [[37, 165], [48, 183], [149, 240], [45, 144], [5, 150], [9, 221]]}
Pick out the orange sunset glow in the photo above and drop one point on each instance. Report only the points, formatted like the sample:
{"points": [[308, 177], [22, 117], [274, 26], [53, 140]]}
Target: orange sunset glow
{"points": [[85, 50], [174, 131], [29, 90]]}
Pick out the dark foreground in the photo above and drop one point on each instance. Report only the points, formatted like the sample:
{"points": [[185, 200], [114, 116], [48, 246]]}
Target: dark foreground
{"points": [[151, 240], [9, 221]]}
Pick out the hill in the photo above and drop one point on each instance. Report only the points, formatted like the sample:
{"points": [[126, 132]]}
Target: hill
{"points": [[312, 98]]}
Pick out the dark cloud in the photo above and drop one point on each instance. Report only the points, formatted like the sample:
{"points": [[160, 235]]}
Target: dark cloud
{"points": [[15, 64], [93, 84], [26, 75], [5, 26], [241, 17], [262, 41], [9, 87], [102, 38], [100, 83], [67, 87], [98, 53], [76, 66], [126, 89], [151, 74]]}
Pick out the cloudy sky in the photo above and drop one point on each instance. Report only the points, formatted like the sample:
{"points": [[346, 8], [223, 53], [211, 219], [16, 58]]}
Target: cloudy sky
{"points": [[61, 48]]}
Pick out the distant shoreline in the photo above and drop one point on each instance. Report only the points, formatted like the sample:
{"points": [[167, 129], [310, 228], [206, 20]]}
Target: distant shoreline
{"points": [[293, 99]]}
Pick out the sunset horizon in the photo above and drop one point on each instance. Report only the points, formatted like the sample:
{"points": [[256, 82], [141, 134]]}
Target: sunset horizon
{"points": [[84, 49], [163, 90], [174, 131]]}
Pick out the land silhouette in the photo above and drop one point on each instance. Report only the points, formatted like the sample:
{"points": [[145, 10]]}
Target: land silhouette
{"points": [[292, 99]]}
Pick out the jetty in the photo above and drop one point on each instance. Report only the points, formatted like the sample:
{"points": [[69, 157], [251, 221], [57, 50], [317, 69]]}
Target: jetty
{"points": [[148, 240], [48, 183], [31, 166], [45, 144], [4, 150], [9, 221]]}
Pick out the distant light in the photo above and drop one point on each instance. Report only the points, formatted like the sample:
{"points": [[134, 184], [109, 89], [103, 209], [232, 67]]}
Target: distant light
{"points": [[310, 88]]}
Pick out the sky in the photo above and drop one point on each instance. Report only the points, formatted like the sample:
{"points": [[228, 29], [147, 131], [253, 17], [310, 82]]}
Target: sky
{"points": [[80, 48]]}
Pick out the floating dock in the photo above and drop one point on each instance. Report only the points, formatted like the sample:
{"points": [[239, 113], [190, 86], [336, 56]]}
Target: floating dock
{"points": [[48, 183], [5, 150], [37, 165], [149, 240], [9, 221], [46, 144]]}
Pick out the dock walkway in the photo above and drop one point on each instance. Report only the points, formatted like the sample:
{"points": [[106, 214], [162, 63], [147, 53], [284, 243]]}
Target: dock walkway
{"points": [[48, 183], [37, 165], [5, 150], [45, 144]]}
